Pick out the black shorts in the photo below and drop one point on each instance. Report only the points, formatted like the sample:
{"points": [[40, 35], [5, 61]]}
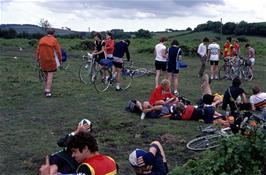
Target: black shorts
{"points": [[171, 68], [214, 62], [117, 64], [160, 65]]}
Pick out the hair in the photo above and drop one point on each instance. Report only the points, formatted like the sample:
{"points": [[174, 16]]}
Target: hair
{"points": [[236, 40], [127, 41], [50, 31], [206, 39], [180, 107], [175, 42], [236, 82], [82, 139], [163, 39], [247, 45], [98, 35], [256, 89], [229, 39], [165, 83], [110, 34], [214, 40]]}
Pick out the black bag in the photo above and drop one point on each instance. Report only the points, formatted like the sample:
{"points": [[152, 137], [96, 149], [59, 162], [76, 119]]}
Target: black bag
{"points": [[133, 107]]}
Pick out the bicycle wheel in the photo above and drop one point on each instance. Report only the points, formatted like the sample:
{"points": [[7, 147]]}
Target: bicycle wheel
{"points": [[234, 72], [126, 78], [42, 76], [85, 72], [140, 72], [204, 142], [223, 72], [102, 79], [247, 73]]}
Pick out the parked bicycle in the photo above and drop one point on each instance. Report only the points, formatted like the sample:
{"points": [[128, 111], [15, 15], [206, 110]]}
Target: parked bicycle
{"points": [[87, 70], [140, 72], [104, 77], [235, 67], [212, 134]]}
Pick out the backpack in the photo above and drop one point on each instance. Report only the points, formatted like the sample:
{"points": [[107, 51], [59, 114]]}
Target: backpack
{"points": [[133, 107]]}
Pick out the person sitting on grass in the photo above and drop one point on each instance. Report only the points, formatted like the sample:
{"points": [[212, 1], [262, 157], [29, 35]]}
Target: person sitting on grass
{"points": [[150, 162], [160, 96], [62, 161], [258, 101]]}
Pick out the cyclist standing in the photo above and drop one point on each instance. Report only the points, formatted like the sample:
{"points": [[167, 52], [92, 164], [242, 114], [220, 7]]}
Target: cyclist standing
{"points": [[49, 57], [160, 53], [99, 47], [202, 52], [121, 48], [109, 46], [213, 56]]}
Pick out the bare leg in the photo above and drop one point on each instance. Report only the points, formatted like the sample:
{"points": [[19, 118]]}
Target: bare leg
{"points": [[212, 71], [161, 149], [49, 81], [157, 78], [205, 86], [176, 82], [118, 75]]}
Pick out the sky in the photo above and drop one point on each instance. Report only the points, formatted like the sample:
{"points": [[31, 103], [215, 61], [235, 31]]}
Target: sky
{"points": [[130, 15]]}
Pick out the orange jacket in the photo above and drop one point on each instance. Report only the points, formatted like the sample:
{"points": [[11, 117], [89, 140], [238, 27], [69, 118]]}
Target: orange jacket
{"points": [[47, 48], [109, 46], [100, 165]]}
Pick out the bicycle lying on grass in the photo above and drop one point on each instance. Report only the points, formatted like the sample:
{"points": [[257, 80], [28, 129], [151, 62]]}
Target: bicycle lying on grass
{"points": [[104, 77], [213, 134]]}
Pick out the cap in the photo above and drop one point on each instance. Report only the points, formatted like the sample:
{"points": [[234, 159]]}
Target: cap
{"points": [[147, 157], [84, 122]]}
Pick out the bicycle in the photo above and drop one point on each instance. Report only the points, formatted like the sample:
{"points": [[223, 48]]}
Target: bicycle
{"points": [[87, 70], [104, 77], [213, 135], [140, 72], [224, 70]]}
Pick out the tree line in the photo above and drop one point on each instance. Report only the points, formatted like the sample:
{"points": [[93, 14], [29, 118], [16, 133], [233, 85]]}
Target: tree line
{"points": [[230, 28]]}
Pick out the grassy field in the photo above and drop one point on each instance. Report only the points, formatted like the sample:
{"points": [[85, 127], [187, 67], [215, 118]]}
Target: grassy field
{"points": [[30, 124]]}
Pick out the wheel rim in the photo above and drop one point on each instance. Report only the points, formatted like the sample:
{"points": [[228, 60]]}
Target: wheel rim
{"points": [[203, 143], [84, 73], [126, 78], [101, 82]]}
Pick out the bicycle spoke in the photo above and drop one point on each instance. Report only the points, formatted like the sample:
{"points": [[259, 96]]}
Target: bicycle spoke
{"points": [[102, 80]]}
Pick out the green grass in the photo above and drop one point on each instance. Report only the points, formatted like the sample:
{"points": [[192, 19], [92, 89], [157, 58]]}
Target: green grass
{"points": [[30, 124]]}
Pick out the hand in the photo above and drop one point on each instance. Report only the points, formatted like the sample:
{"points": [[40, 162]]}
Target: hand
{"points": [[140, 161], [45, 168], [82, 128]]}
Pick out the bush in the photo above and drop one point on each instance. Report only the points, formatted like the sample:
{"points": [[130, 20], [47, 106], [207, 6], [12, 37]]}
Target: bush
{"points": [[236, 155], [33, 42], [146, 50], [242, 39], [84, 45]]}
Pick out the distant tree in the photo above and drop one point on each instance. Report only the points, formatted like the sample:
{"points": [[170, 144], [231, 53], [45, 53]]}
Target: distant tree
{"points": [[8, 34], [241, 28], [44, 24], [143, 34], [188, 29], [229, 28]]}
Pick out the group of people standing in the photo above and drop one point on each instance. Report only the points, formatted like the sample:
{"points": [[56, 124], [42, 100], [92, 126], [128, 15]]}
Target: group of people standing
{"points": [[212, 53]]}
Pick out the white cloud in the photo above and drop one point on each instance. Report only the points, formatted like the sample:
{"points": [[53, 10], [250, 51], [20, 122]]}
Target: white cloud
{"points": [[130, 15]]}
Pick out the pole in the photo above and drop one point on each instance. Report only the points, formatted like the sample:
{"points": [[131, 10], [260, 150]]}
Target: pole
{"points": [[221, 30]]}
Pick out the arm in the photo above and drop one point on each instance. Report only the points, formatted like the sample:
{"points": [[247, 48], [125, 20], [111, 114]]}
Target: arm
{"points": [[58, 51], [164, 53], [244, 98], [127, 54]]}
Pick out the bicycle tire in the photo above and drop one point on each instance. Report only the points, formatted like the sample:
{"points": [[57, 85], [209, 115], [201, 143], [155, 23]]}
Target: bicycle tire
{"points": [[204, 142], [140, 72], [247, 74], [102, 82], [42, 76], [223, 73], [85, 72], [126, 78], [234, 72]]}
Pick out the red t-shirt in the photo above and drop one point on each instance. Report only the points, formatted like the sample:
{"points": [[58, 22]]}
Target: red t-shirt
{"points": [[109, 46], [227, 49], [188, 112], [158, 94]]}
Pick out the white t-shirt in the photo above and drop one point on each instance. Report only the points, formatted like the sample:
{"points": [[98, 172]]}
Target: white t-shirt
{"points": [[202, 50], [214, 51], [258, 100], [159, 51]]}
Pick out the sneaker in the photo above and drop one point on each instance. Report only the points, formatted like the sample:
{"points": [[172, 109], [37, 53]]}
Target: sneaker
{"points": [[211, 77], [48, 94], [216, 77], [118, 88], [142, 116]]}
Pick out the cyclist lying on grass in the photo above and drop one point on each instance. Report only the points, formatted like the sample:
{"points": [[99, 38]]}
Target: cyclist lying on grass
{"points": [[149, 162]]}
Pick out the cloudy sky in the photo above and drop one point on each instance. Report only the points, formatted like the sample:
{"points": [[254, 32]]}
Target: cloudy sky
{"points": [[130, 15]]}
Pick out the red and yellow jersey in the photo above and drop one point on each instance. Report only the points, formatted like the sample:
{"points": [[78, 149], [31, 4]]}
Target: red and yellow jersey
{"points": [[98, 165], [228, 51]]}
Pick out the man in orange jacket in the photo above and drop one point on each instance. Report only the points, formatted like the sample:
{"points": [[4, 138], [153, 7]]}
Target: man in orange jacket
{"points": [[49, 57]]}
